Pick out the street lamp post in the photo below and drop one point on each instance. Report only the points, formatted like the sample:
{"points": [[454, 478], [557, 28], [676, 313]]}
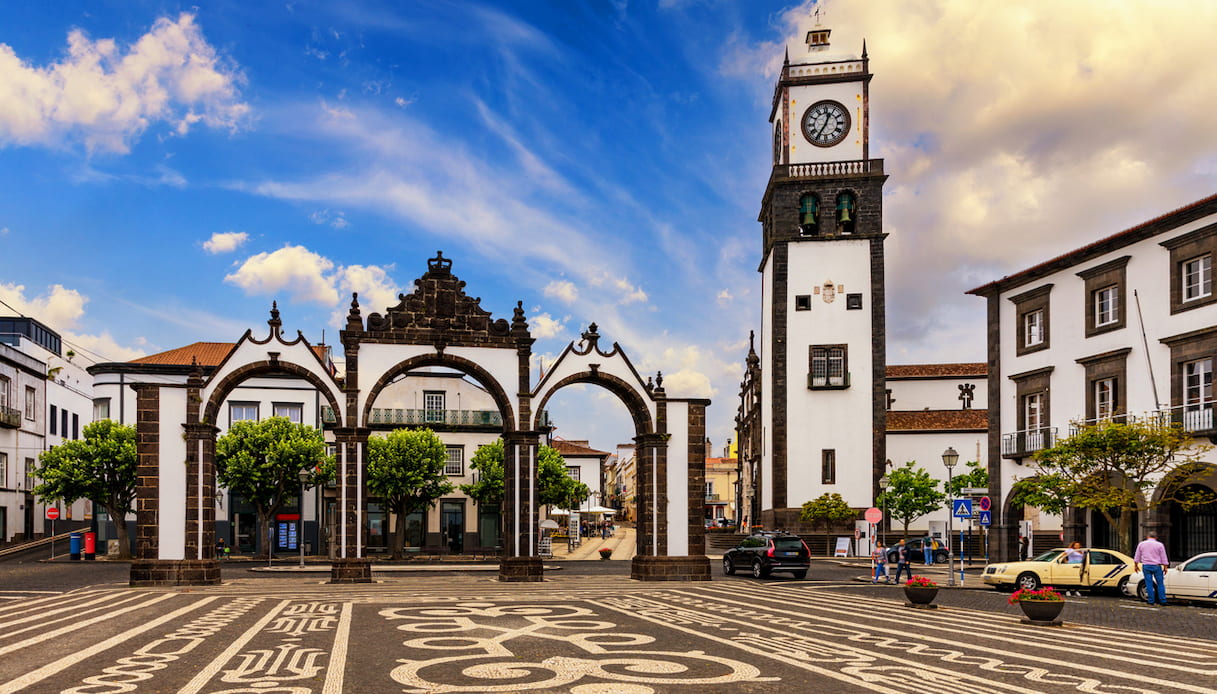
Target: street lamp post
{"points": [[883, 482], [949, 458], [304, 475]]}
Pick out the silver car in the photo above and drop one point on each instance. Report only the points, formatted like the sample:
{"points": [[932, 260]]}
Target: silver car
{"points": [[1194, 579]]}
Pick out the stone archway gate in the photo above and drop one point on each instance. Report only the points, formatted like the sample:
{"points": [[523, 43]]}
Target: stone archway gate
{"points": [[436, 325]]}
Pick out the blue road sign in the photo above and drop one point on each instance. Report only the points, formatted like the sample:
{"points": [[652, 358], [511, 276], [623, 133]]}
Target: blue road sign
{"points": [[986, 517], [962, 508]]}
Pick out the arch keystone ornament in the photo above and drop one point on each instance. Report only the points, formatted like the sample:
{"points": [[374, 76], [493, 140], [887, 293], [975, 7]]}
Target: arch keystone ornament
{"points": [[437, 324]]}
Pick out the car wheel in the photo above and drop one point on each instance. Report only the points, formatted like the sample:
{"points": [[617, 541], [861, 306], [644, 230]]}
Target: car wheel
{"points": [[800, 574], [1120, 586], [940, 558], [728, 566], [1028, 581], [1142, 592], [758, 571]]}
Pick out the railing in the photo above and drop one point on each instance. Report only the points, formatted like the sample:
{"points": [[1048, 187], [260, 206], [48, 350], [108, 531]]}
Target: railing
{"points": [[1077, 425], [831, 168], [1019, 444], [1193, 418], [389, 415], [10, 417], [712, 497]]}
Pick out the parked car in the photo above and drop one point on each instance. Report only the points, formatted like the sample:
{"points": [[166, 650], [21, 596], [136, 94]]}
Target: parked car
{"points": [[766, 553], [1194, 579], [1100, 569], [916, 552]]}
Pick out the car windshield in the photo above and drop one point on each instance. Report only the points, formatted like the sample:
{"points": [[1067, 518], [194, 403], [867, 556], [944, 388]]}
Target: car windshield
{"points": [[1049, 556], [787, 543]]}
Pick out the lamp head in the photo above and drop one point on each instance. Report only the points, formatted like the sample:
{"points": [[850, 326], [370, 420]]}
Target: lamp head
{"points": [[884, 481], [304, 474], [949, 458]]}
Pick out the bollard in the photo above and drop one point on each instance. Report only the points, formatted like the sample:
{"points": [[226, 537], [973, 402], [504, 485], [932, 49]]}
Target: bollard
{"points": [[90, 546], [74, 546]]}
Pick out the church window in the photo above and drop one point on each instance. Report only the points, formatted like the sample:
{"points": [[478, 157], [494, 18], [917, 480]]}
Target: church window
{"points": [[828, 367], [828, 466], [846, 213], [809, 210], [802, 302]]}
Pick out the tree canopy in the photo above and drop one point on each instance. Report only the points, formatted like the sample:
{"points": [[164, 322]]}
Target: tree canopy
{"points": [[555, 487], [262, 460], [912, 493], [99, 467], [827, 509], [406, 469], [1114, 468], [976, 476]]}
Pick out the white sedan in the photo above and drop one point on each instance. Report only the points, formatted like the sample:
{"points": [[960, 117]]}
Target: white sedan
{"points": [[1194, 579]]}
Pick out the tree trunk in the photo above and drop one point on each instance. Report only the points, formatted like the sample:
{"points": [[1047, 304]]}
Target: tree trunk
{"points": [[265, 518], [1124, 527], [906, 529], [399, 529], [120, 528]]}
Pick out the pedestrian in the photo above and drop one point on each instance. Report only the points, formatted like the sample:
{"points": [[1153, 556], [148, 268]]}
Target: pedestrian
{"points": [[902, 560], [1024, 546], [1074, 555], [221, 549], [927, 548], [1150, 559], [879, 558]]}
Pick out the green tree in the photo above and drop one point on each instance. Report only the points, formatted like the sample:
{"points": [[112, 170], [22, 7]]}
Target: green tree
{"points": [[1113, 468], [555, 487], [911, 494], [976, 476], [406, 469], [262, 461], [827, 509], [100, 467]]}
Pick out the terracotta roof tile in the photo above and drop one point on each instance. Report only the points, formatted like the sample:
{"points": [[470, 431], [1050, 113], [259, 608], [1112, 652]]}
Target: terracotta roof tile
{"points": [[937, 420], [936, 370], [207, 353], [574, 448]]}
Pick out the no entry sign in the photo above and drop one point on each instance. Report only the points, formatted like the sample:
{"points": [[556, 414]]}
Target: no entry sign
{"points": [[873, 515], [52, 513]]}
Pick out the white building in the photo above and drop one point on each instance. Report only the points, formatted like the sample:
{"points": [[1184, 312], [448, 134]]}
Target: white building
{"points": [[1123, 327]]}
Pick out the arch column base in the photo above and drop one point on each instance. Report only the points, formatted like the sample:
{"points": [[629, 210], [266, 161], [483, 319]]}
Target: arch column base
{"points": [[174, 572], [351, 570], [663, 568], [521, 569]]}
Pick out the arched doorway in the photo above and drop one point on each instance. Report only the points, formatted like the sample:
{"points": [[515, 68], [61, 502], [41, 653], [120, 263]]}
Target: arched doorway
{"points": [[1195, 530]]}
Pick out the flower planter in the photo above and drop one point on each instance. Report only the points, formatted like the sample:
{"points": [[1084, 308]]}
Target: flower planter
{"points": [[1042, 612], [921, 597], [606, 555]]}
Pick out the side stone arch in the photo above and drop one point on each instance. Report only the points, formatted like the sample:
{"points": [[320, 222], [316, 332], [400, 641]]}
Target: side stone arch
{"points": [[639, 412], [492, 385], [230, 381]]}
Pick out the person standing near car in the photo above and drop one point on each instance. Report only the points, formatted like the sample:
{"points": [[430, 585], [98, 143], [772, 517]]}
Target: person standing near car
{"points": [[927, 548], [1150, 559], [1024, 544], [902, 560], [879, 558]]}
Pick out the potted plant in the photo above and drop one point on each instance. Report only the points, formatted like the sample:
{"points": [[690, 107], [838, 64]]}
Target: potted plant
{"points": [[1041, 606], [920, 591], [606, 553]]}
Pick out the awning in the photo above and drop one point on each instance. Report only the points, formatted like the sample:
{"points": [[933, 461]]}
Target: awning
{"points": [[600, 509]]}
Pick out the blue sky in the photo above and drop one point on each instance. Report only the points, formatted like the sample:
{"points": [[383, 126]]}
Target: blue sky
{"points": [[166, 170]]}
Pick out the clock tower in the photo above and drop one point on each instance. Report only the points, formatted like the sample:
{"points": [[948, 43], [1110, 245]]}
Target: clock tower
{"points": [[823, 338]]}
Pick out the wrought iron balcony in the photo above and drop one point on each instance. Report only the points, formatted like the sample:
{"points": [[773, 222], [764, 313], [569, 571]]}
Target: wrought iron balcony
{"points": [[1196, 418], [1020, 444], [1077, 425], [10, 417], [439, 418], [713, 497]]}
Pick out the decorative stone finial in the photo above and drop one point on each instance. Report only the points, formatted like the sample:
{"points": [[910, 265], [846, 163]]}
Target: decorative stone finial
{"points": [[439, 265], [589, 339], [354, 319], [274, 322]]}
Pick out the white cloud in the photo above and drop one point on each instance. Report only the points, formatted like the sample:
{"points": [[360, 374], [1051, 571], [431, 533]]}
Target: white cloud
{"points": [[543, 326], [292, 269], [336, 219], [724, 297], [106, 97], [62, 309], [377, 291], [562, 290], [3, 231], [403, 102], [225, 241], [629, 293]]}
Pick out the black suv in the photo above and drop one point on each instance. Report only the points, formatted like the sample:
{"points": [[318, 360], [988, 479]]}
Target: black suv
{"points": [[765, 553], [916, 552]]}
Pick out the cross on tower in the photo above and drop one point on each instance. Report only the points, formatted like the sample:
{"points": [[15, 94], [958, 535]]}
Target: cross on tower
{"points": [[966, 393]]}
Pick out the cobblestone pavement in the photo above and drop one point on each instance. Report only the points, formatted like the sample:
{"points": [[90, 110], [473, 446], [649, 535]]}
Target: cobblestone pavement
{"points": [[583, 634]]}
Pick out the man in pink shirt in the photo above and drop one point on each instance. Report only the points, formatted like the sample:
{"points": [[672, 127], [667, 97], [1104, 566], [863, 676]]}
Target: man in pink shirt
{"points": [[1150, 559]]}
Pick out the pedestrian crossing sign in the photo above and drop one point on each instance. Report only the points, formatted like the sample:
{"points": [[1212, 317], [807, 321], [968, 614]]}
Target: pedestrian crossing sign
{"points": [[962, 508], [986, 517]]}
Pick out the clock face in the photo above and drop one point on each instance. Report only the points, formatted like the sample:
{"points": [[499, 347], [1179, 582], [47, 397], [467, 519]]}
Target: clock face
{"points": [[826, 123]]}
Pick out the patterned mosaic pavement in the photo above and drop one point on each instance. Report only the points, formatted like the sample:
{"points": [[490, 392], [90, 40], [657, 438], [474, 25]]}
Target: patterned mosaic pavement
{"points": [[584, 636]]}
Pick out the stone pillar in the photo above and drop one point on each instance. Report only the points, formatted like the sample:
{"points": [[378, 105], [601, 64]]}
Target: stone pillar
{"points": [[1073, 525], [200, 492], [350, 565], [520, 561]]}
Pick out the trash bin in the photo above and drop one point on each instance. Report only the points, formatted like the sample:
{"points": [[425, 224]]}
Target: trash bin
{"points": [[90, 546], [74, 546]]}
